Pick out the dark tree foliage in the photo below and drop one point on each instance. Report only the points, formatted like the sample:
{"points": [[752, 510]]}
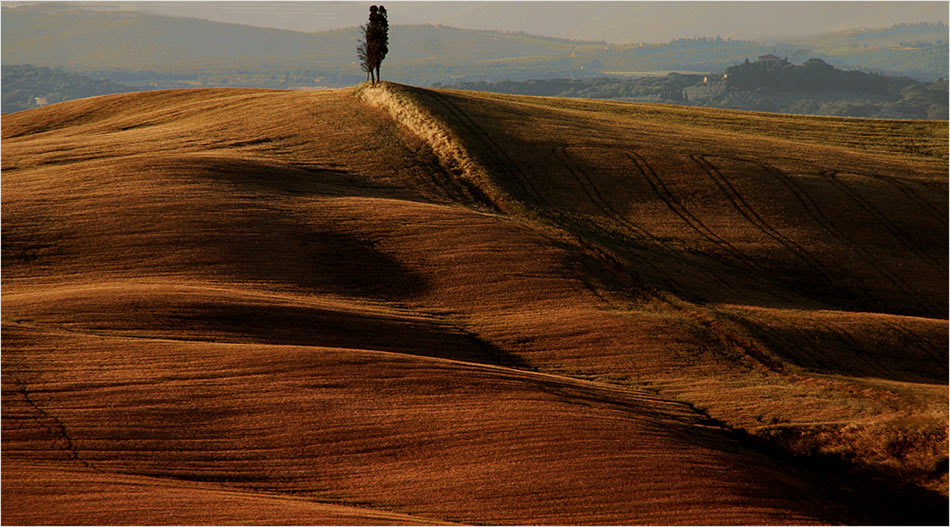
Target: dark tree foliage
{"points": [[815, 75], [821, 90], [374, 45]]}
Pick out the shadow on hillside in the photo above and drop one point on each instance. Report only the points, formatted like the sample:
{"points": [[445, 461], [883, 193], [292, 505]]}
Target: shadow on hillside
{"points": [[882, 350], [253, 245], [179, 222], [855, 494], [256, 177], [182, 316], [588, 184], [830, 488]]}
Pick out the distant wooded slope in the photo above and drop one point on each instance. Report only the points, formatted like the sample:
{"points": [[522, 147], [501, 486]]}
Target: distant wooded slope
{"points": [[24, 84], [814, 88]]}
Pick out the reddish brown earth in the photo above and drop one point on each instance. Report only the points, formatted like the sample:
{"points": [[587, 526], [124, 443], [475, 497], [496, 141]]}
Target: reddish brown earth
{"points": [[392, 305]]}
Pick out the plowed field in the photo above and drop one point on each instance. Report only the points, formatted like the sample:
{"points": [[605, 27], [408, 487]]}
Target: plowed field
{"points": [[388, 305]]}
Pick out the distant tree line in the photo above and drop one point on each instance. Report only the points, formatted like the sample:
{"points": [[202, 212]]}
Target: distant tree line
{"points": [[814, 88], [667, 88], [23, 84], [815, 75], [374, 45]]}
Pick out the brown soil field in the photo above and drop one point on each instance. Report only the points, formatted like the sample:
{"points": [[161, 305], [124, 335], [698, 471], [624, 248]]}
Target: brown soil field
{"points": [[389, 305]]}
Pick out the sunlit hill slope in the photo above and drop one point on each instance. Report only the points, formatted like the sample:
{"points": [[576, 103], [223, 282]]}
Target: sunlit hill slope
{"points": [[392, 305]]}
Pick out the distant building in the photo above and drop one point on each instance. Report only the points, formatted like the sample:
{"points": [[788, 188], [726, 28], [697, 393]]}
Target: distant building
{"points": [[41, 101], [771, 59]]}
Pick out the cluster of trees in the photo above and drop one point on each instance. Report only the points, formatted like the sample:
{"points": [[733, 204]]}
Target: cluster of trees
{"points": [[842, 94], [668, 88], [925, 97], [815, 75], [818, 88], [374, 45], [907, 28], [917, 101]]}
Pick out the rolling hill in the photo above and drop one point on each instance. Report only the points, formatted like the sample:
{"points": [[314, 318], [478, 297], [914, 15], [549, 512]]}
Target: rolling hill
{"points": [[395, 305]]}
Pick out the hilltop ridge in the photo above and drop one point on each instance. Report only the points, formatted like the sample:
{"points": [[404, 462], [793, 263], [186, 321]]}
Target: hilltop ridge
{"points": [[391, 304]]}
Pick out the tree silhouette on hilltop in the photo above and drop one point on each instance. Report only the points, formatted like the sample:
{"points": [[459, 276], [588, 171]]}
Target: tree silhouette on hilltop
{"points": [[374, 45]]}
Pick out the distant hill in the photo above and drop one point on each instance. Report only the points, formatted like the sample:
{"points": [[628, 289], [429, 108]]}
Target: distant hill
{"points": [[818, 88], [614, 22], [915, 50], [148, 50], [775, 85], [24, 85], [100, 41]]}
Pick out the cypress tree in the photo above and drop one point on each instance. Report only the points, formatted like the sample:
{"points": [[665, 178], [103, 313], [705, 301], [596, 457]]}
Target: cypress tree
{"points": [[374, 46]]}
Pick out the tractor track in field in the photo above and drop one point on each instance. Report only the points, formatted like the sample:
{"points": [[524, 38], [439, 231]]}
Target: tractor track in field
{"points": [[855, 347], [924, 343], [673, 203], [935, 186], [808, 359], [468, 124], [597, 199], [895, 231], [845, 337], [939, 216], [519, 177], [524, 182], [810, 206], [755, 219]]}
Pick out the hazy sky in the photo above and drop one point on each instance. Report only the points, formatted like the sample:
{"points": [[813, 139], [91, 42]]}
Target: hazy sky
{"points": [[609, 21]]}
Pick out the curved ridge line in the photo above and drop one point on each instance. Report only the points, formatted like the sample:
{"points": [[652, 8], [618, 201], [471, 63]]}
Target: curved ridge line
{"points": [[453, 157]]}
